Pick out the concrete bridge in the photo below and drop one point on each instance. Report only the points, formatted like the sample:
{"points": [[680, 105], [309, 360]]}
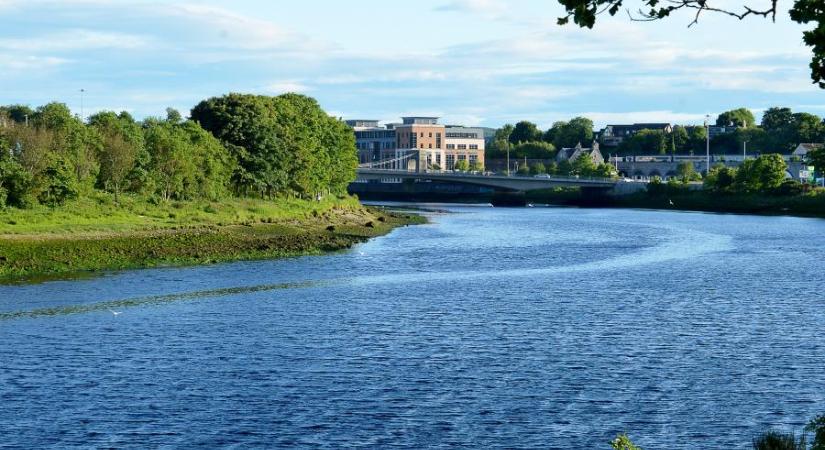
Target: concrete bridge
{"points": [[499, 182]]}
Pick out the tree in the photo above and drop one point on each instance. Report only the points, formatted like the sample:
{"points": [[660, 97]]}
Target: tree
{"points": [[686, 172], [720, 178], [583, 166], [584, 12], [173, 116], [525, 131], [461, 165], [18, 113], [123, 157], [645, 142], [741, 117], [187, 162], [533, 150], [116, 162], [763, 174], [817, 158], [807, 128], [284, 145], [476, 166], [538, 168], [523, 170], [567, 134]]}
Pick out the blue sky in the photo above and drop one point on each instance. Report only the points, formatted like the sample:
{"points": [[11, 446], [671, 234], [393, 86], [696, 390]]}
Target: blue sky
{"points": [[476, 62]]}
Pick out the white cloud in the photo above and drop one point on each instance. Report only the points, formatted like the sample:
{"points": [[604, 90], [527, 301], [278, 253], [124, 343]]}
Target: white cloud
{"points": [[625, 117], [77, 39], [286, 86], [493, 9]]}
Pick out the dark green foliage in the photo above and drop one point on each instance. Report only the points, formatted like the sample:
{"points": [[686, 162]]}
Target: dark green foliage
{"points": [[284, 144], [807, 11], [817, 428], [646, 142], [461, 165], [58, 182], [774, 440], [578, 130], [533, 150], [525, 131], [763, 174], [538, 168], [741, 117], [720, 178]]}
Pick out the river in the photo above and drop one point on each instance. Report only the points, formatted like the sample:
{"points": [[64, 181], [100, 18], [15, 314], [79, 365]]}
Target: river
{"points": [[488, 327]]}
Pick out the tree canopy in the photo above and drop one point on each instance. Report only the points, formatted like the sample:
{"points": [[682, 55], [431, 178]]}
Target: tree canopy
{"points": [[741, 117], [584, 14], [284, 144], [264, 146]]}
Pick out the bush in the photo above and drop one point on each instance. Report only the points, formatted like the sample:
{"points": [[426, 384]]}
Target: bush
{"points": [[817, 427], [622, 442], [774, 440], [789, 187]]}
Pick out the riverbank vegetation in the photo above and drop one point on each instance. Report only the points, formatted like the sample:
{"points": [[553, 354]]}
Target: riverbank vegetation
{"points": [[93, 234], [758, 186], [780, 131], [814, 432], [246, 177]]}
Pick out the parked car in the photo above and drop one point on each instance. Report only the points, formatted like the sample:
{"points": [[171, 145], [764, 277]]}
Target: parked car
{"points": [[542, 175]]}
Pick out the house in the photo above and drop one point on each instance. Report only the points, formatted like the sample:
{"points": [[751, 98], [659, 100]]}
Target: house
{"points": [[573, 153], [613, 135], [803, 149]]}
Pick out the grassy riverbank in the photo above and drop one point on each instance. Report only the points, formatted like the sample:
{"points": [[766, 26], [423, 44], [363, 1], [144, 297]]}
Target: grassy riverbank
{"points": [[95, 234], [806, 205]]}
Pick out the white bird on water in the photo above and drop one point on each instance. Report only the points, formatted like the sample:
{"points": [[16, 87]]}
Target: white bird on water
{"points": [[671, 202], [115, 313]]}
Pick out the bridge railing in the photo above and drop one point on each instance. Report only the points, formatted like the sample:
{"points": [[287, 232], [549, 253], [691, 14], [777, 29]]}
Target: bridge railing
{"points": [[490, 174]]}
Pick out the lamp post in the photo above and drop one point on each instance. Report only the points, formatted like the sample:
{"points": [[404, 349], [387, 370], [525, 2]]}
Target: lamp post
{"points": [[707, 138], [744, 150], [508, 158], [82, 116]]}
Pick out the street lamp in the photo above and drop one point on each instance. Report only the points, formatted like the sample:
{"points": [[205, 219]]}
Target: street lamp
{"points": [[707, 137], [82, 116], [508, 159]]}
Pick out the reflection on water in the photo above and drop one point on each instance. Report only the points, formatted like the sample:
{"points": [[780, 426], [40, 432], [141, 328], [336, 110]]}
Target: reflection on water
{"points": [[537, 327]]}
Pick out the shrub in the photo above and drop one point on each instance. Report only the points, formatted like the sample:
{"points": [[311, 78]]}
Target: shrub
{"points": [[774, 440]]}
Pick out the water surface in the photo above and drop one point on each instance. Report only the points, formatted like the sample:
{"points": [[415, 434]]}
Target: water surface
{"points": [[489, 327]]}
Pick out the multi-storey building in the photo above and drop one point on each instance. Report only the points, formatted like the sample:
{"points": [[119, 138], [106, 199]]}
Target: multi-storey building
{"points": [[421, 139]]}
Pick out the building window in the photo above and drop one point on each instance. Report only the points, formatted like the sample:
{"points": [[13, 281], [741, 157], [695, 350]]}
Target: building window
{"points": [[431, 135], [450, 161], [431, 145], [473, 158], [422, 145], [473, 146], [422, 134], [462, 146], [462, 157], [450, 146], [438, 158]]}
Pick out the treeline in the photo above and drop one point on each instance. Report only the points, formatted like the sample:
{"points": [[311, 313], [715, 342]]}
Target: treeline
{"points": [[780, 131], [526, 140], [232, 145]]}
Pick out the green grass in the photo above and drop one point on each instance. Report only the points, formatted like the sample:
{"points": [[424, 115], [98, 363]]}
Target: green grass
{"points": [[99, 213], [95, 234]]}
